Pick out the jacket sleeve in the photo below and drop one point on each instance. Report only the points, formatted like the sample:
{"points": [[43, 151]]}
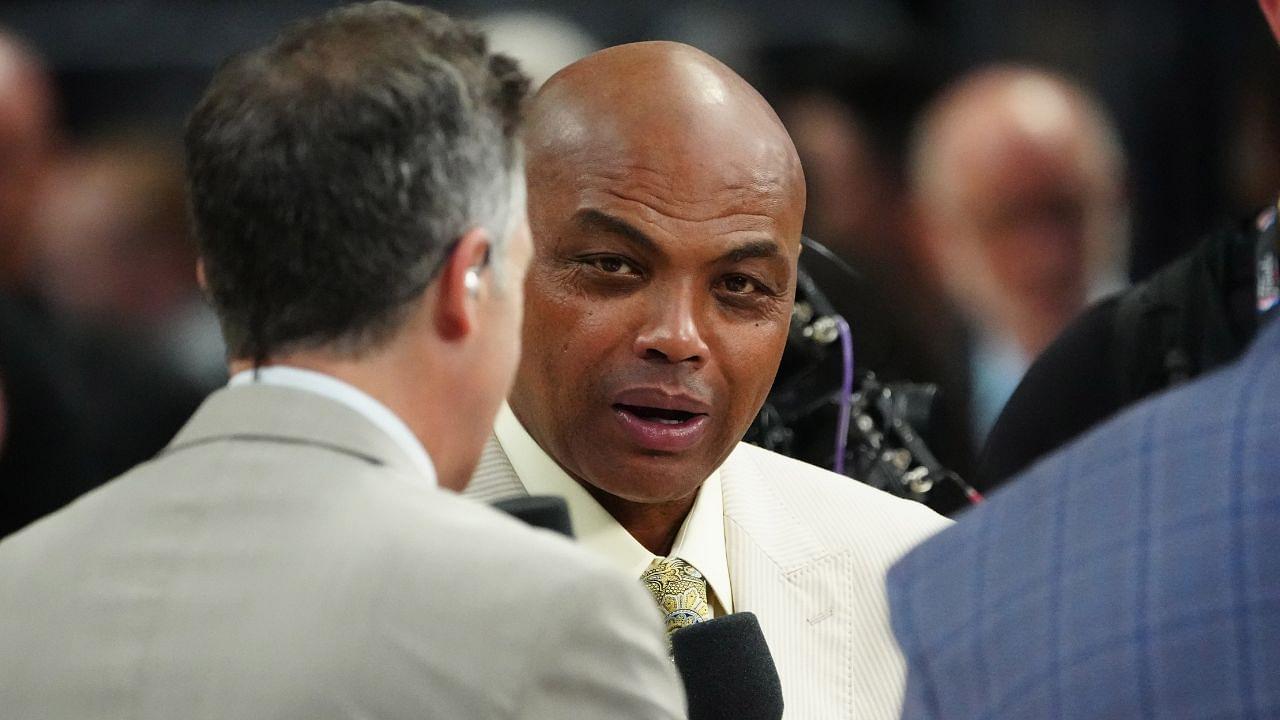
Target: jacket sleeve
{"points": [[919, 700], [603, 656]]}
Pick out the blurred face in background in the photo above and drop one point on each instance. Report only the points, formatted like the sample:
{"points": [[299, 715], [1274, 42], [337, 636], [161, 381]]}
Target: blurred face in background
{"points": [[112, 240], [852, 207], [26, 148], [1024, 204], [1031, 209]]}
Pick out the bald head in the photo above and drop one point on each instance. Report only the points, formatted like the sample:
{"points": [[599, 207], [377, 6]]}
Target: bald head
{"points": [[1018, 175], [668, 109], [1011, 114]]}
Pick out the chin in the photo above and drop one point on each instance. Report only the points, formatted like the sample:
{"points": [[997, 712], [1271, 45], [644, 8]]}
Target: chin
{"points": [[651, 481]]}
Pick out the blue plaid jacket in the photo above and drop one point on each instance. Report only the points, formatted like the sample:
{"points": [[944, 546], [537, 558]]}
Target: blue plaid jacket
{"points": [[1134, 574]]}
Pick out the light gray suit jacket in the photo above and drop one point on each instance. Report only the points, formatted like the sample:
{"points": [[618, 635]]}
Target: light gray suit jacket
{"points": [[807, 551], [281, 559]]}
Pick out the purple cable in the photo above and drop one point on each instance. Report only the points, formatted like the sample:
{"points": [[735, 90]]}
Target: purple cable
{"points": [[846, 392]]}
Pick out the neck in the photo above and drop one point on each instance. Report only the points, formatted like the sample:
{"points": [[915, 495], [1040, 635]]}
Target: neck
{"points": [[653, 525], [404, 388]]}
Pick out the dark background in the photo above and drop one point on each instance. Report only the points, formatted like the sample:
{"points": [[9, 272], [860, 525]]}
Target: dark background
{"points": [[1177, 75]]}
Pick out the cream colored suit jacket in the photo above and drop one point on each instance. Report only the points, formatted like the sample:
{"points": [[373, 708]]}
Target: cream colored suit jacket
{"points": [[283, 559], [807, 551]]}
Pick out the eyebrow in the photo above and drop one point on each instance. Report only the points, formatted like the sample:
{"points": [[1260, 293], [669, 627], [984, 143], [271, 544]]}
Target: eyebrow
{"points": [[592, 218], [753, 249]]}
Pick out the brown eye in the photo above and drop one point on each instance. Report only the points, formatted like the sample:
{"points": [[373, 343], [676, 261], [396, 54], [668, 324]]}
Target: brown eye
{"points": [[740, 285], [612, 265]]}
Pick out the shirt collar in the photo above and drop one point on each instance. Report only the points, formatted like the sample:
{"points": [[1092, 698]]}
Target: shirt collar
{"points": [[699, 542], [351, 396]]}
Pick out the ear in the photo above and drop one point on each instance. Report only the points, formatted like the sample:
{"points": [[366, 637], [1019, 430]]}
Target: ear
{"points": [[460, 285], [201, 280], [1271, 8]]}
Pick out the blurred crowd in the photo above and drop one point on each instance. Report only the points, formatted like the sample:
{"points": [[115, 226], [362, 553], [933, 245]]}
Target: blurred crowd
{"points": [[987, 169]]}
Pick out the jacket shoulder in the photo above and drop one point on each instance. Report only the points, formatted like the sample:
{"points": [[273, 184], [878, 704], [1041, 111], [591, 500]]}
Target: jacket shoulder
{"points": [[840, 510], [1170, 471]]}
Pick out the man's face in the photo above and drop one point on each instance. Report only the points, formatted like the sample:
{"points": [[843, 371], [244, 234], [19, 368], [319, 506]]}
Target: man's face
{"points": [[658, 302]]}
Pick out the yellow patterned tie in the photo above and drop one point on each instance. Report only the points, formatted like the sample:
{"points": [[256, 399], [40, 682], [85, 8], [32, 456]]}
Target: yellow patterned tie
{"points": [[681, 592]]}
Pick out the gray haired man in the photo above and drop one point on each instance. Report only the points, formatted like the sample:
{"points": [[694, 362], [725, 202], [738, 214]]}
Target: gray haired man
{"points": [[357, 188]]}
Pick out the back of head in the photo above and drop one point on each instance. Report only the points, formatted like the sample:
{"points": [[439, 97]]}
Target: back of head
{"points": [[331, 171]]}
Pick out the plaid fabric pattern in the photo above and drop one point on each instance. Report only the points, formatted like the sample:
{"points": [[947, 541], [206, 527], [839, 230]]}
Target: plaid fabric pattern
{"points": [[1134, 574]]}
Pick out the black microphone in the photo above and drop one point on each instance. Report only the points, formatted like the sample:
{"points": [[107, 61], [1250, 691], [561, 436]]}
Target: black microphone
{"points": [[542, 511], [727, 669]]}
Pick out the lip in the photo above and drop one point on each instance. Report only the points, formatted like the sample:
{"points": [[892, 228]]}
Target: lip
{"points": [[660, 436], [657, 397]]}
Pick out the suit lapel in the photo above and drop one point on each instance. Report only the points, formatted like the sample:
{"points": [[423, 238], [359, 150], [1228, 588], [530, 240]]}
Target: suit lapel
{"points": [[779, 569], [784, 574]]}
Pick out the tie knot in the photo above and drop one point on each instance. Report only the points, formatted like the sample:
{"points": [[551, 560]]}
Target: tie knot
{"points": [[680, 590]]}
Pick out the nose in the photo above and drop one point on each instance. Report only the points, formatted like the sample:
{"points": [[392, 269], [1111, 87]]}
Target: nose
{"points": [[671, 333]]}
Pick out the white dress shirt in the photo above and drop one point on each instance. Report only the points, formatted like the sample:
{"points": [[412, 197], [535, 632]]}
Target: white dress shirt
{"points": [[700, 541], [351, 396]]}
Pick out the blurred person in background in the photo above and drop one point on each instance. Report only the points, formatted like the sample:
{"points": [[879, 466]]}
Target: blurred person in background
{"points": [[1133, 572], [1017, 177], [299, 550], [28, 142], [113, 251], [900, 323], [45, 459], [853, 204], [86, 399], [1194, 314]]}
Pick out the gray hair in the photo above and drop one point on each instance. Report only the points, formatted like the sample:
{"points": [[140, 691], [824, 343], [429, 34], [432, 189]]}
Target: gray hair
{"points": [[333, 170]]}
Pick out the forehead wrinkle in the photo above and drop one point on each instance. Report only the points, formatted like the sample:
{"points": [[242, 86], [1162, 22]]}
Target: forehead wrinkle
{"points": [[753, 249], [672, 129], [655, 211], [665, 192], [763, 247]]}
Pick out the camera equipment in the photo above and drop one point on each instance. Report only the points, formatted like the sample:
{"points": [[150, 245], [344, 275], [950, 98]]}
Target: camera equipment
{"points": [[854, 424]]}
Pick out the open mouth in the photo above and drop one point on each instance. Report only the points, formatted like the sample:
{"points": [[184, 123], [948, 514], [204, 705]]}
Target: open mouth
{"points": [[658, 415]]}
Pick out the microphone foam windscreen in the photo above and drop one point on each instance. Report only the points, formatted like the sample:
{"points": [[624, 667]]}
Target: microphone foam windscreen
{"points": [[549, 512], [727, 669]]}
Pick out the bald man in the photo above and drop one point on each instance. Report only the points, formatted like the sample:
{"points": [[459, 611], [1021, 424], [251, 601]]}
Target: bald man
{"points": [[665, 201], [1131, 574], [1017, 179]]}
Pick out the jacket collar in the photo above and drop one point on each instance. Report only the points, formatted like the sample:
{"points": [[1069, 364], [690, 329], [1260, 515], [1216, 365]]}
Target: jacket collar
{"points": [[754, 507], [274, 414]]}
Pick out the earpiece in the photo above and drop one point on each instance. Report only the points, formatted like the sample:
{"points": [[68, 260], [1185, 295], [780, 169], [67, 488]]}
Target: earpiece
{"points": [[472, 281]]}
